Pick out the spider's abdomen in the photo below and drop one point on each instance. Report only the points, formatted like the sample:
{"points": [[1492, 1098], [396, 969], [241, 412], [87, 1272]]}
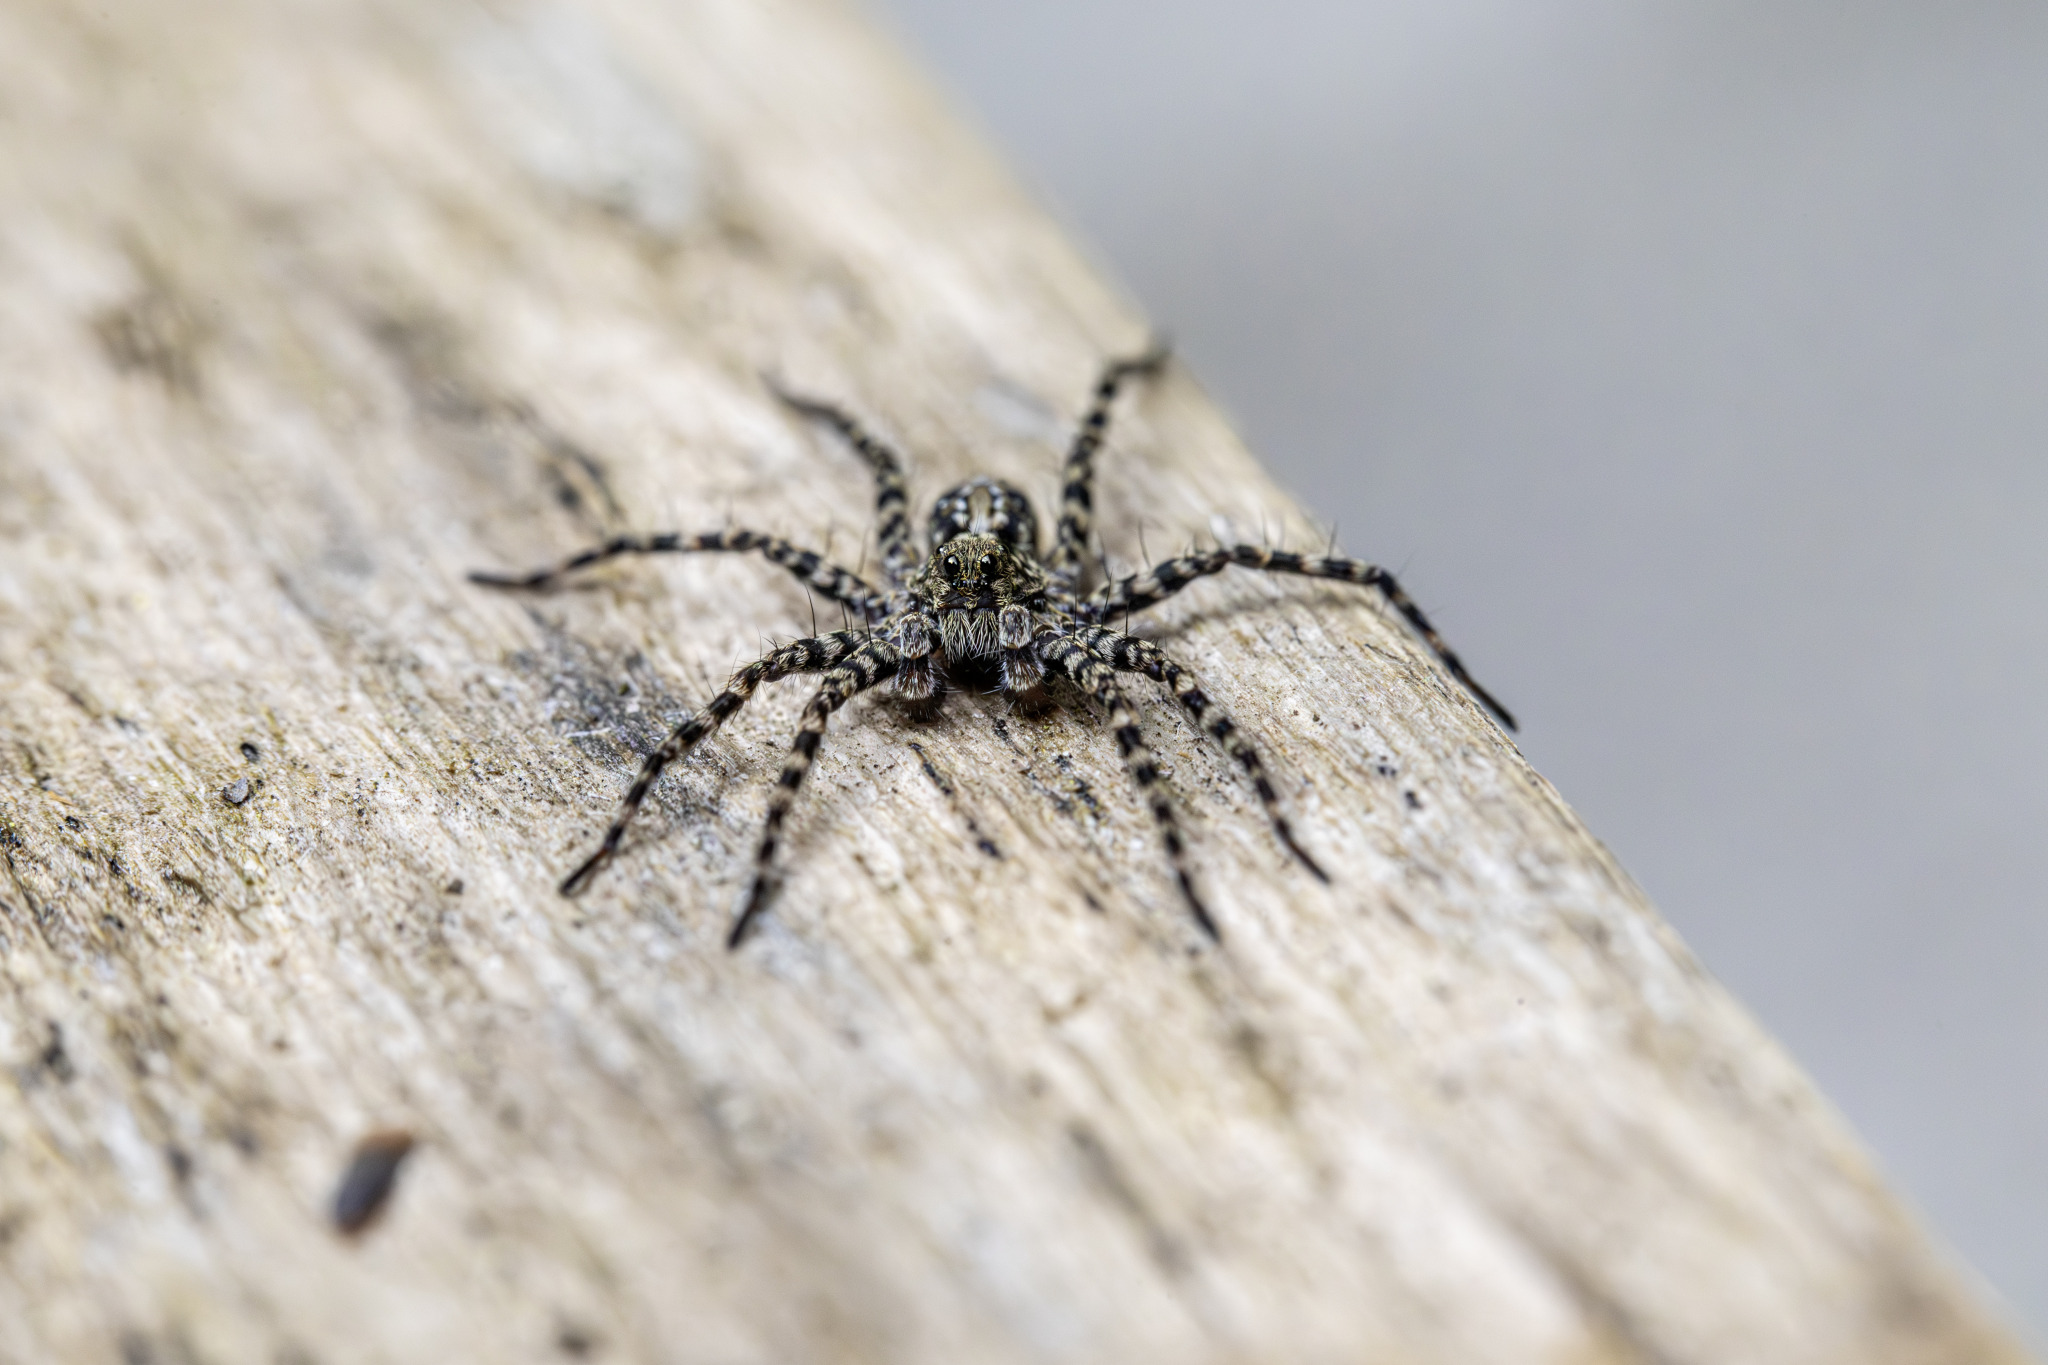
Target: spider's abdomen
{"points": [[986, 507]]}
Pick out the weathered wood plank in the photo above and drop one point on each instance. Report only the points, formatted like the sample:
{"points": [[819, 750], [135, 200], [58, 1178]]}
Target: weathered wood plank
{"points": [[309, 308]]}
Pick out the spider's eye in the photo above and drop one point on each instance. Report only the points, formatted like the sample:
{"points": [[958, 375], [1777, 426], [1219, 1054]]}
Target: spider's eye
{"points": [[952, 563]]}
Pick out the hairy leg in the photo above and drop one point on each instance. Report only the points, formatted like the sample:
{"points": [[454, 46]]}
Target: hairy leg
{"points": [[1140, 591], [1077, 483], [828, 579], [892, 498], [804, 656], [1063, 654], [871, 663], [1131, 655]]}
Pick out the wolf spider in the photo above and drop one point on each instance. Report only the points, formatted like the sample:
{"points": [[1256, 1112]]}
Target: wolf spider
{"points": [[981, 611]]}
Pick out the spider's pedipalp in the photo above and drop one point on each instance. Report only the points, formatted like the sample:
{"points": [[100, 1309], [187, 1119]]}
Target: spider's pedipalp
{"points": [[892, 494], [804, 656], [915, 637], [1077, 481], [1155, 585], [1132, 655], [840, 585], [873, 662], [1066, 655], [1022, 669]]}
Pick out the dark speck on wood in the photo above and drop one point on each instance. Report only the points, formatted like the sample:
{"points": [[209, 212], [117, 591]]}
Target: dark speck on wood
{"points": [[371, 1176]]}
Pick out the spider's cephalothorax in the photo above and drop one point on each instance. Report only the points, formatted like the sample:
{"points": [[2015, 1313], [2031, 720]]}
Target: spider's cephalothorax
{"points": [[980, 610], [988, 598]]}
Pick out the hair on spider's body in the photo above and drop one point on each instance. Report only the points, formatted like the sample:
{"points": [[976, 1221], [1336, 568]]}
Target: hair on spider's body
{"points": [[980, 609]]}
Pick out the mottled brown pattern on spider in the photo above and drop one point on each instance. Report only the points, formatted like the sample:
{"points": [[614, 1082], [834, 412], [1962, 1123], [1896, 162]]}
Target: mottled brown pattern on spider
{"points": [[983, 610]]}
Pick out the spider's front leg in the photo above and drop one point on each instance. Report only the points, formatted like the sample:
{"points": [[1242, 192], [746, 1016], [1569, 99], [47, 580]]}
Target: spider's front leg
{"points": [[1140, 591], [1065, 655], [840, 585], [872, 662], [804, 656], [1129, 654]]}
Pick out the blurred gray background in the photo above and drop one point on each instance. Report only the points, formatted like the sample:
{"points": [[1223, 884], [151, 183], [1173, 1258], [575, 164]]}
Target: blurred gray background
{"points": [[1688, 361]]}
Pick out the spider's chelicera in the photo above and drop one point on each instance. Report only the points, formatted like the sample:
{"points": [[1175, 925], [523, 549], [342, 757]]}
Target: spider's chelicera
{"points": [[981, 611]]}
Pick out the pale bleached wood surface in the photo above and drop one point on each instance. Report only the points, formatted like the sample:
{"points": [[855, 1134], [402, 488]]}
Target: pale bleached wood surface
{"points": [[306, 308]]}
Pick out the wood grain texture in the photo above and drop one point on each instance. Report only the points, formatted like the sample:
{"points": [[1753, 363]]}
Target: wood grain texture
{"points": [[308, 307]]}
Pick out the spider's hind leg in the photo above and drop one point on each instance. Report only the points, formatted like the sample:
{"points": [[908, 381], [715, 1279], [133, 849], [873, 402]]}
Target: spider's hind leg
{"points": [[892, 492], [1077, 481], [813, 569]]}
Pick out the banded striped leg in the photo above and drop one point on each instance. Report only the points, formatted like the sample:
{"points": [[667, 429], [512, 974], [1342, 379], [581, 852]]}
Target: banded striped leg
{"points": [[828, 579], [892, 497], [871, 663], [1131, 655], [1140, 591], [1068, 656], [804, 656], [1077, 483]]}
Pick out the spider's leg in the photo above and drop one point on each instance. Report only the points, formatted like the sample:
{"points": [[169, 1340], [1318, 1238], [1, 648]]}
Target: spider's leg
{"points": [[1065, 655], [1131, 655], [831, 580], [871, 663], [1077, 482], [892, 497], [1164, 580], [804, 656]]}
